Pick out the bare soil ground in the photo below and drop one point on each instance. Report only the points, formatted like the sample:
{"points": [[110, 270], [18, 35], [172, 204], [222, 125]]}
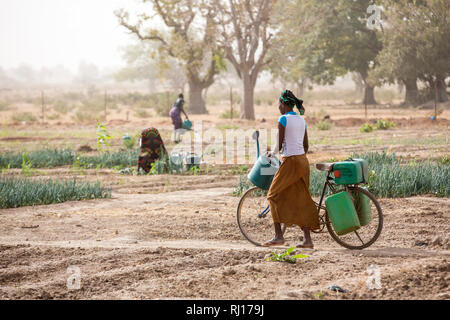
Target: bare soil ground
{"points": [[148, 242], [176, 237]]}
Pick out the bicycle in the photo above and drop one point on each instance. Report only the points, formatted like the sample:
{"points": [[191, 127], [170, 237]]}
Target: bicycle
{"points": [[255, 222]]}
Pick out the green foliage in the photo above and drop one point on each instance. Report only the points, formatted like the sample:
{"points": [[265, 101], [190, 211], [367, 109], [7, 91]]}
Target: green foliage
{"points": [[384, 125], [366, 127], [84, 116], [19, 192], [389, 177], [415, 44], [227, 114], [103, 136], [285, 256], [46, 158], [50, 158], [61, 106], [3, 106], [24, 116], [323, 125], [27, 165], [129, 143], [143, 114]]}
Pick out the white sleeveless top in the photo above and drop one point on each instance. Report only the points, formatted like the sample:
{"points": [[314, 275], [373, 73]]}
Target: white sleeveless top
{"points": [[295, 127]]}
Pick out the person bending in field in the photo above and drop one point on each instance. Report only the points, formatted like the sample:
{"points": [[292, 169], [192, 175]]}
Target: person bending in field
{"points": [[175, 114], [289, 198], [152, 149]]}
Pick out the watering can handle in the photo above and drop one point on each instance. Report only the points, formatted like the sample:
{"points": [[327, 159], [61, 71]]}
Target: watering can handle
{"points": [[256, 137]]}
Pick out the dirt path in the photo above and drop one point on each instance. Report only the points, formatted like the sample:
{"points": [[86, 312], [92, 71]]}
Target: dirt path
{"points": [[186, 244]]}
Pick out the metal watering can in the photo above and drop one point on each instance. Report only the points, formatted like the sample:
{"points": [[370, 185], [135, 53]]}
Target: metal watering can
{"points": [[264, 168]]}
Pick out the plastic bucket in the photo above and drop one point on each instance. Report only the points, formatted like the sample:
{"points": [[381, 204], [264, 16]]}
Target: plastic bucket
{"points": [[342, 213], [263, 172]]}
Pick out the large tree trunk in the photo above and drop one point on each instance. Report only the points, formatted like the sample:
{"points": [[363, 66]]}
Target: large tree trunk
{"points": [[196, 102], [369, 95], [247, 105], [442, 90], [412, 92]]}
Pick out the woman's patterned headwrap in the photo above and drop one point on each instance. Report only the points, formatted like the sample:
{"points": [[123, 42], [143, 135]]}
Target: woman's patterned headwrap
{"points": [[288, 98]]}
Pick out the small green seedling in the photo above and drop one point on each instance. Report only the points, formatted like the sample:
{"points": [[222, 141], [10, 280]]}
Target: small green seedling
{"points": [[27, 165], [103, 136], [285, 256]]}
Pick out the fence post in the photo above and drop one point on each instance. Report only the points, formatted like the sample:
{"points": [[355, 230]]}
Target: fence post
{"points": [[231, 103], [43, 106], [106, 102]]}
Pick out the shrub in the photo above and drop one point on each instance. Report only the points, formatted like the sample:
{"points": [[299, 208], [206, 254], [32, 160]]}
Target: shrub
{"points": [[85, 116], [384, 125], [24, 116], [61, 107], [227, 114], [366, 127], [19, 192], [3, 106], [142, 113], [323, 125]]}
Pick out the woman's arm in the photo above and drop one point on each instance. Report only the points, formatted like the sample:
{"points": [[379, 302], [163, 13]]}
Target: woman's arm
{"points": [[306, 142], [281, 133]]}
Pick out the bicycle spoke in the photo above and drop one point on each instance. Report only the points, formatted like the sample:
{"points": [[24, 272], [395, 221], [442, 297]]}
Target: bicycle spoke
{"points": [[357, 234]]}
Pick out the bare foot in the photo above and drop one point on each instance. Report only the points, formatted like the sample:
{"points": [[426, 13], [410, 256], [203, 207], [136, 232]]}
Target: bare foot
{"points": [[274, 242]]}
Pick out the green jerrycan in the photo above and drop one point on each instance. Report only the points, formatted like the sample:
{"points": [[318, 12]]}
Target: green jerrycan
{"points": [[342, 213], [362, 207]]}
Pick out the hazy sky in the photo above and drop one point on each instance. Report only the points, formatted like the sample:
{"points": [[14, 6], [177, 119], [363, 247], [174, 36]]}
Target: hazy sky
{"points": [[51, 32]]}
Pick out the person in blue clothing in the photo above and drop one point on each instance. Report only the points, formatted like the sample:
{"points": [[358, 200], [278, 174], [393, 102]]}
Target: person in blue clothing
{"points": [[289, 198], [175, 114]]}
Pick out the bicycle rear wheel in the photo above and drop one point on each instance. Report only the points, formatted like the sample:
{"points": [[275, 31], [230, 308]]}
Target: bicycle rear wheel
{"points": [[254, 218], [366, 235]]}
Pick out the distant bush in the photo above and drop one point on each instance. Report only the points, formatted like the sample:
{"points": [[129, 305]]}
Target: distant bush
{"points": [[3, 106], [142, 113], [61, 107], [384, 125], [83, 116], [323, 125], [24, 116], [227, 113], [366, 127]]}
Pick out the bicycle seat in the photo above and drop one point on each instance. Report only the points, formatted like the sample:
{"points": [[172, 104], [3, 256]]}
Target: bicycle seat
{"points": [[325, 166]]}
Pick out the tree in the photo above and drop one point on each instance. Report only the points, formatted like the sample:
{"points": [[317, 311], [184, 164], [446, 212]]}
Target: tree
{"points": [[190, 40], [331, 38], [244, 35], [416, 46], [144, 64]]}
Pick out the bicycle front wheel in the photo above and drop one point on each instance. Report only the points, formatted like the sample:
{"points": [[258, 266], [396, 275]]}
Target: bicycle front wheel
{"points": [[254, 218], [366, 235]]}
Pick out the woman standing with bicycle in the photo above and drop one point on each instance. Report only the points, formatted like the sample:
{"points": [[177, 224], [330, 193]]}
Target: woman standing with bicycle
{"points": [[289, 198]]}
